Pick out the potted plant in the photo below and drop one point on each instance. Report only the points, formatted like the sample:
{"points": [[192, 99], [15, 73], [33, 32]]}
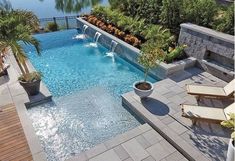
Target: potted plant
{"points": [[16, 28], [231, 147], [151, 56]]}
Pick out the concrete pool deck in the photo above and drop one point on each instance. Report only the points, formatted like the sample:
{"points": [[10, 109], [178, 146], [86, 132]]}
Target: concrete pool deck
{"points": [[161, 110], [142, 143]]}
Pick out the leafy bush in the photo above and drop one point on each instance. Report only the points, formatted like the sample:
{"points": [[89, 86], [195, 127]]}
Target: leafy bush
{"points": [[200, 12], [230, 124], [151, 56], [31, 77], [159, 34], [135, 26], [177, 52], [51, 26], [226, 22], [171, 13], [149, 10]]}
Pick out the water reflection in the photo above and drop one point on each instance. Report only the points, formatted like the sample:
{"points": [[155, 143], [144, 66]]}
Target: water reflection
{"points": [[56, 8], [74, 6]]}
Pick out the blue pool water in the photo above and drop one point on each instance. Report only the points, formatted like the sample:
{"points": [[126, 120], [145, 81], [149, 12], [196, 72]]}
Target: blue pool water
{"points": [[86, 86]]}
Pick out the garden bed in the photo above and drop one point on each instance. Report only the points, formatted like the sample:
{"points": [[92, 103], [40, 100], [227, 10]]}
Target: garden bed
{"points": [[146, 34], [131, 53], [113, 30]]}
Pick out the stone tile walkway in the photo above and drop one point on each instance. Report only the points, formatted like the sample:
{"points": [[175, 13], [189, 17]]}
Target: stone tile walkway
{"points": [[140, 144], [162, 111]]}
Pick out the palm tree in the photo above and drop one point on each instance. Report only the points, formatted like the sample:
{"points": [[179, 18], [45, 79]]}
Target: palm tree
{"points": [[16, 26]]}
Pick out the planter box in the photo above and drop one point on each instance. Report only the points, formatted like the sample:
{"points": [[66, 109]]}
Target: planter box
{"points": [[130, 53]]}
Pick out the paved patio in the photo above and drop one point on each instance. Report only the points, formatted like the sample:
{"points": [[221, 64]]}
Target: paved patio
{"points": [[162, 111], [140, 144]]}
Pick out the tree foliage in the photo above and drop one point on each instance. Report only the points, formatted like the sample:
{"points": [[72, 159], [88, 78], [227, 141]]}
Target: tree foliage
{"points": [[151, 56], [200, 12], [15, 28], [149, 10], [226, 21], [171, 13]]}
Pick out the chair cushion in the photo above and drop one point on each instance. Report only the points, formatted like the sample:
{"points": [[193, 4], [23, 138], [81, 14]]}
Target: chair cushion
{"points": [[205, 90], [204, 112], [230, 87]]}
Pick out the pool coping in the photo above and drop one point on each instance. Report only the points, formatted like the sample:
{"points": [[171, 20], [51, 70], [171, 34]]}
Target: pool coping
{"points": [[22, 101], [130, 53]]}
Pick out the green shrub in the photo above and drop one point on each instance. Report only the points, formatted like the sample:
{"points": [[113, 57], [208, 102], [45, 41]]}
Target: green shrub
{"points": [[31, 77], [136, 26], [159, 34], [226, 22], [51, 26], [176, 53], [200, 12], [171, 14], [149, 10], [230, 124]]}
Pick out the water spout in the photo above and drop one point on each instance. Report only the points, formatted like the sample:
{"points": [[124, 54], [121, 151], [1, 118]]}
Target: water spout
{"points": [[113, 46], [85, 27], [111, 52], [97, 36], [83, 35], [96, 39]]}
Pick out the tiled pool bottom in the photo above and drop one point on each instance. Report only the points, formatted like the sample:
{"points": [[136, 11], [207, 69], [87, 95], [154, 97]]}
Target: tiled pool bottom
{"points": [[86, 85], [75, 123]]}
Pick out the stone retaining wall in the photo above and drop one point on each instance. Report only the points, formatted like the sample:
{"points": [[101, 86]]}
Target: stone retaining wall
{"points": [[213, 50]]}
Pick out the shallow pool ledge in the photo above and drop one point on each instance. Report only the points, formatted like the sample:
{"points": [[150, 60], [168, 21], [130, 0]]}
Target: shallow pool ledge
{"points": [[130, 53]]}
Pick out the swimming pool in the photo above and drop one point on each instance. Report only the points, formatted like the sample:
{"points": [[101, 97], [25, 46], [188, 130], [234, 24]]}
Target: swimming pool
{"points": [[86, 85]]}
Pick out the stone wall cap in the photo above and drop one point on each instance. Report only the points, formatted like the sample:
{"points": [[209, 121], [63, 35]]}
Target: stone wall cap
{"points": [[209, 32]]}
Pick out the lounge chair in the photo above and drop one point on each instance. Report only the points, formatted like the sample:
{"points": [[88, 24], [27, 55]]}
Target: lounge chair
{"points": [[212, 92], [208, 114]]}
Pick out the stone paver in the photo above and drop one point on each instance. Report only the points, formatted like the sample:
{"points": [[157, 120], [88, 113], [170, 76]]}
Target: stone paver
{"points": [[146, 145], [104, 156], [121, 152], [135, 150], [162, 111]]}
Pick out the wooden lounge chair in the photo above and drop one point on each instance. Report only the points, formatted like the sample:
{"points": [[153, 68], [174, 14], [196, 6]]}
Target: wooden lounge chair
{"points": [[208, 114], [212, 92]]}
